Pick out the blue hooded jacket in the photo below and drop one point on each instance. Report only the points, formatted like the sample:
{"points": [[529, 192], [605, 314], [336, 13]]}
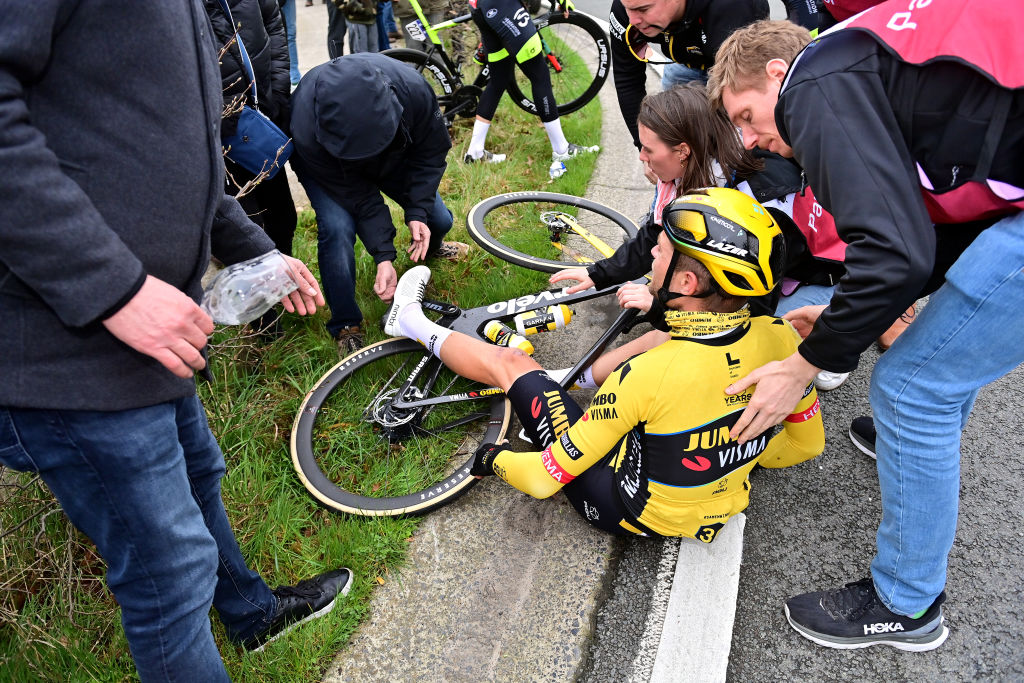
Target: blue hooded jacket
{"points": [[365, 124]]}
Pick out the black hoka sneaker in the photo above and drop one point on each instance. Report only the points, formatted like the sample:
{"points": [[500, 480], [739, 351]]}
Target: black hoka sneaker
{"points": [[306, 600], [862, 434], [853, 617]]}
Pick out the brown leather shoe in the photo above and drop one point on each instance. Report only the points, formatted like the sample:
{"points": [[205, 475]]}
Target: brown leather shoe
{"points": [[452, 251], [902, 323], [350, 339]]}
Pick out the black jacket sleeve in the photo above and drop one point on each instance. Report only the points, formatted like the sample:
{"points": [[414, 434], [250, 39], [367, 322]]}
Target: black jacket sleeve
{"points": [[425, 155], [843, 132], [628, 72], [722, 18], [631, 260]]}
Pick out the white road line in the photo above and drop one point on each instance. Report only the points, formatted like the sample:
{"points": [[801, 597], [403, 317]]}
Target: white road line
{"points": [[697, 631]]}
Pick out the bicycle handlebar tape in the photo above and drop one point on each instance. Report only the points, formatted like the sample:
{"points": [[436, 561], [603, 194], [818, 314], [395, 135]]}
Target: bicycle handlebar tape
{"points": [[483, 463]]}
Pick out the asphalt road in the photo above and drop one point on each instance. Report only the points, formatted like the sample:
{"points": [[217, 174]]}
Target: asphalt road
{"points": [[812, 527]]}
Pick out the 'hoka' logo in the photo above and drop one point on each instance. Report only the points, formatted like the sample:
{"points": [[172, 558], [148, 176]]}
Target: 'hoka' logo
{"points": [[882, 627]]}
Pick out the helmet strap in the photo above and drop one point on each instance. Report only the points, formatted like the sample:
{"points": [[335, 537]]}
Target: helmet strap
{"points": [[664, 295]]}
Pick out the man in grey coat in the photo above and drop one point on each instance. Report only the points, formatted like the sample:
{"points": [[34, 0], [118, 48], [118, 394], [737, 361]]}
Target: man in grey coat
{"points": [[111, 200]]}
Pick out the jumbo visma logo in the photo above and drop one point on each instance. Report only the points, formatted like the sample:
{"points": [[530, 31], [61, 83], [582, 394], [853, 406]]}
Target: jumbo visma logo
{"points": [[705, 454]]}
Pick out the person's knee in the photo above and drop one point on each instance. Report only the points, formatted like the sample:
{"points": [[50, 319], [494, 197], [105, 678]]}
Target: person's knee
{"points": [[510, 364]]}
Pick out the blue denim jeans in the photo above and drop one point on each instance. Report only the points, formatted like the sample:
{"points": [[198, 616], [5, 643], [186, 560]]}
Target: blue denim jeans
{"points": [[288, 14], [922, 391], [144, 485], [385, 23], [677, 74], [805, 295], [336, 240]]}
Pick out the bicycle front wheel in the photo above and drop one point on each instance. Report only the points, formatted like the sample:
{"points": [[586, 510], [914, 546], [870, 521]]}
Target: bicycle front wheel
{"points": [[356, 452], [547, 231], [578, 58]]}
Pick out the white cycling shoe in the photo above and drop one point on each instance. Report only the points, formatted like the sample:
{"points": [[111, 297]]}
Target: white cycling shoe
{"points": [[410, 291], [574, 151]]}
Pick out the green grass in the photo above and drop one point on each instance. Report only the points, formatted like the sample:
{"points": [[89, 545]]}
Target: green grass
{"points": [[58, 621]]}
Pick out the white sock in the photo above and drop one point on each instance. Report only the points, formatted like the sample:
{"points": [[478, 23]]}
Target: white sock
{"points": [[476, 144], [415, 325], [558, 142], [584, 381]]}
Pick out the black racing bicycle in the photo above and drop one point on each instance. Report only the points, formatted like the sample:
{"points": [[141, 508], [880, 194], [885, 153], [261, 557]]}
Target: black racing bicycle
{"points": [[390, 430], [575, 47]]}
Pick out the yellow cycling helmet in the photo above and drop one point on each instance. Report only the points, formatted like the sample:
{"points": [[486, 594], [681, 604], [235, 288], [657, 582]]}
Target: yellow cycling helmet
{"points": [[732, 235]]}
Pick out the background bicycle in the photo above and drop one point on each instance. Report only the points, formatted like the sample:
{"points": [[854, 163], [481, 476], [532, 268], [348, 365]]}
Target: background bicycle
{"points": [[575, 46], [390, 431]]}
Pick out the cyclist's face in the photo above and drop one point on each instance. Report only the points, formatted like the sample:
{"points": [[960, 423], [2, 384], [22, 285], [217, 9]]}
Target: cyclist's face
{"points": [[664, 161], [662, 253], [652, 17], [752, 110]]}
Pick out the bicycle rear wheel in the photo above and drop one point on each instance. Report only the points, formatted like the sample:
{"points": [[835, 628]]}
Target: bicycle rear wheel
{"points": [[357, 453], [432, 69], [576, 50], [547, 231]]}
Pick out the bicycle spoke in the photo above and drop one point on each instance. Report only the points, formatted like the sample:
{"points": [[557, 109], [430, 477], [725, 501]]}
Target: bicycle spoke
{"points": [[367, 446]]}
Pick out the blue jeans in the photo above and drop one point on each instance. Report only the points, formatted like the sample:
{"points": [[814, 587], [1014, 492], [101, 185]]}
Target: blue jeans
{"points": [[677, 74], [922, 391], [288, 14], [385, 23], [805, 295], [336, 240], [144, 485]]}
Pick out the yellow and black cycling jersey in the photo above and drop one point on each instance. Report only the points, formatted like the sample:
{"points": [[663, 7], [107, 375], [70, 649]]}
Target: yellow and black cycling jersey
{"points": [[667, 416]]}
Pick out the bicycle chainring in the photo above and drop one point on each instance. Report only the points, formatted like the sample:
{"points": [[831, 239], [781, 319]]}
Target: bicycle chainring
{"points": [[396, 424], [469, 96]]}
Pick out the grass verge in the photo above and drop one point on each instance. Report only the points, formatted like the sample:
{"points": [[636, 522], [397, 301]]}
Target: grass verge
{"points": [[58, 621]]}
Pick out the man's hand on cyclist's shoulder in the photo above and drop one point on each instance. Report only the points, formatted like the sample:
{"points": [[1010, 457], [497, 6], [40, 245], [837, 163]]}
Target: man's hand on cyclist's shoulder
{"points": [[579, 274], [803, 318], [780, 386]]}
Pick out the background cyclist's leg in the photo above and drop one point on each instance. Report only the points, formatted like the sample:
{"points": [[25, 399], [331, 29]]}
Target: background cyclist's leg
{"points": [[501, 73], [534, 66]]}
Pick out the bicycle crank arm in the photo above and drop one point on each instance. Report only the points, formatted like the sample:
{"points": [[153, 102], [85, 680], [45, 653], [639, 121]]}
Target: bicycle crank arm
{"points": [[488, 392]]}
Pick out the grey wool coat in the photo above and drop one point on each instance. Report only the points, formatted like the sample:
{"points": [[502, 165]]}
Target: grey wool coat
{"points": [[110, 169]]}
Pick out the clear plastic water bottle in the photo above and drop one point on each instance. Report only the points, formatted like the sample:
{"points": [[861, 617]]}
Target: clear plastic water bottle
{"points": [[503, 335], [554, 317], [244, 291], [557, 169]]}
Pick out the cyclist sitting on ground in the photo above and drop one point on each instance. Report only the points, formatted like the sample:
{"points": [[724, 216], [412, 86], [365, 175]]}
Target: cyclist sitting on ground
{"points": [[507, 31], [651, 455], [687, 145]]}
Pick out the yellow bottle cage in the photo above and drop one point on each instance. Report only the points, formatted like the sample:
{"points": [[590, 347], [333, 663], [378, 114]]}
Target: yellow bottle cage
{"points": [[636, 42]]}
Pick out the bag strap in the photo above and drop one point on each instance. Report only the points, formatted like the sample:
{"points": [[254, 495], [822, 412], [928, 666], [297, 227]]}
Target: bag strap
{"points": [[245, 55]]}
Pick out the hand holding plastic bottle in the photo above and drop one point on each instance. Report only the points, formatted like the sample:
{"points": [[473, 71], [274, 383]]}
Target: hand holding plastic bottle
{"points": [[244, 291]]}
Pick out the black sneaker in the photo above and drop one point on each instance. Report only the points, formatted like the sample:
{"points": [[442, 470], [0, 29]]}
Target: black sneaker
{"points": [[862, 434], [306, 600], [853, 617]]}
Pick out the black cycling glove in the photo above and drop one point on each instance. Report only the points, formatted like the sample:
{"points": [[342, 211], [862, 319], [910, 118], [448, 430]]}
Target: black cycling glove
{"points": [[483, 462]]}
